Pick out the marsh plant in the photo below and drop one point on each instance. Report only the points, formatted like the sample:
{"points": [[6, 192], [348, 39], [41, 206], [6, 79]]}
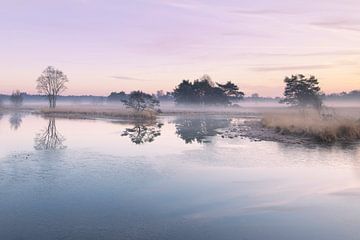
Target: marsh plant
{"points": [[309, 122]]}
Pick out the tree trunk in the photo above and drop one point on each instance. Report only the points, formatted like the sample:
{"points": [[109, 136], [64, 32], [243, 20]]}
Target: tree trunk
{"points": [[50, 101]]}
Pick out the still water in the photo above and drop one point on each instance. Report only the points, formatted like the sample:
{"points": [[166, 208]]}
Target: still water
{"points": [[175, 178]]}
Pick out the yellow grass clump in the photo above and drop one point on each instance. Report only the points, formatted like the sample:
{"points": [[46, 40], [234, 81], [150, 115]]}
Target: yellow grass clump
{"points": [[324, 127]]}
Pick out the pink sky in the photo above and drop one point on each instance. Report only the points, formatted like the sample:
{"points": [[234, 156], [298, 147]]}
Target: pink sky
{"points": [[106, 46]]}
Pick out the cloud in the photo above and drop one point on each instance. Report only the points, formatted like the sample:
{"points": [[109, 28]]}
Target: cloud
{"points": [[247, 34], [303, 67], [189, 5], [285, 68], [339, 25], [308, 54], [351, 192], [262, 12], [127, 78]]}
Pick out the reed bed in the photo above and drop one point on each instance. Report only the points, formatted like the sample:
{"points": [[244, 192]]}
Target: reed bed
{"points": [[328, 127]]}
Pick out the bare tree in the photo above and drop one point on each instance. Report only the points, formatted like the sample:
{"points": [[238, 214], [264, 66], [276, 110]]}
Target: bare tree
{"points": [[52, 82]]}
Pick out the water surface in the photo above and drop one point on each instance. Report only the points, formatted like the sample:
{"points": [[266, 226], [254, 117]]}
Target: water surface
{"points": [[174, 178]]}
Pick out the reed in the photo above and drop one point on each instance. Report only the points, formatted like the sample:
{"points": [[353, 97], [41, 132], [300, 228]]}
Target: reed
{"points": [[326, 128]]}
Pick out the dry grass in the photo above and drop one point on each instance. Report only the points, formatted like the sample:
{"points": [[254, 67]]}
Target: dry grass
{"points": [[96, 112], [328, 128]]}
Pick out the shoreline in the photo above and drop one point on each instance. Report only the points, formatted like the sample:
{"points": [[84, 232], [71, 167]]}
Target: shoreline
{"points": [[251, 128]]}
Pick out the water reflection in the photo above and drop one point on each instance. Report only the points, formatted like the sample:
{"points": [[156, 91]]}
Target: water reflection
{"points": [[15, 121], [50, 138], [143, 131], [199, 129], [189, 190]]}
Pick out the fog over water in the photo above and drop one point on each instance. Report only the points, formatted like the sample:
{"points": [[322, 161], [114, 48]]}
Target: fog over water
{"points": [[86, 179]]}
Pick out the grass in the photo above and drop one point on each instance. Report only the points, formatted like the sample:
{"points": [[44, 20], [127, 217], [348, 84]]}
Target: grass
{"points": [[96, 112], [326, 128]]}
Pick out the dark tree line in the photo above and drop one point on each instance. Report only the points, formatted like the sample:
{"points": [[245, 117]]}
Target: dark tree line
{"points": [[352, 95], [117, 96], [203, 91]]}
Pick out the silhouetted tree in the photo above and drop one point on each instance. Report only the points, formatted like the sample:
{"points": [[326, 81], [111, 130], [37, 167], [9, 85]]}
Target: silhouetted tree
{"points": [[140, 101], [231, 90], [52, 82], [117, 97], [184, 93], [143, 131], [50, 138], [162, 96], [16, 98], [203, 91], [207, 94], [301, 91]]}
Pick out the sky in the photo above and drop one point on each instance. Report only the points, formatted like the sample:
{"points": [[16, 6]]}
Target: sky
{"points": [[114, 45]]}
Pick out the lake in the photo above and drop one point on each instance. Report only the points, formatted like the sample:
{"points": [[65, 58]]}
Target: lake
{"points": [[174, 178]]}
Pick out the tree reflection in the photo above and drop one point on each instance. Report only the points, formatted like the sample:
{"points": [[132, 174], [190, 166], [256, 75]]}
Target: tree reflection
{"points": [[143, 131], [50, 138], [15, 121], [199, 129]]}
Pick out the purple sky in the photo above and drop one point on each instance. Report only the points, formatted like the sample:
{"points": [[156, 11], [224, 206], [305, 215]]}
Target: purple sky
{"points": [[106, 46]]}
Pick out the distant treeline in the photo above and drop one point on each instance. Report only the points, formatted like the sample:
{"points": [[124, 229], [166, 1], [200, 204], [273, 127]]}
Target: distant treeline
{"points": [[204, 91], [353, 95], [117, 97], [72, 98]]}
